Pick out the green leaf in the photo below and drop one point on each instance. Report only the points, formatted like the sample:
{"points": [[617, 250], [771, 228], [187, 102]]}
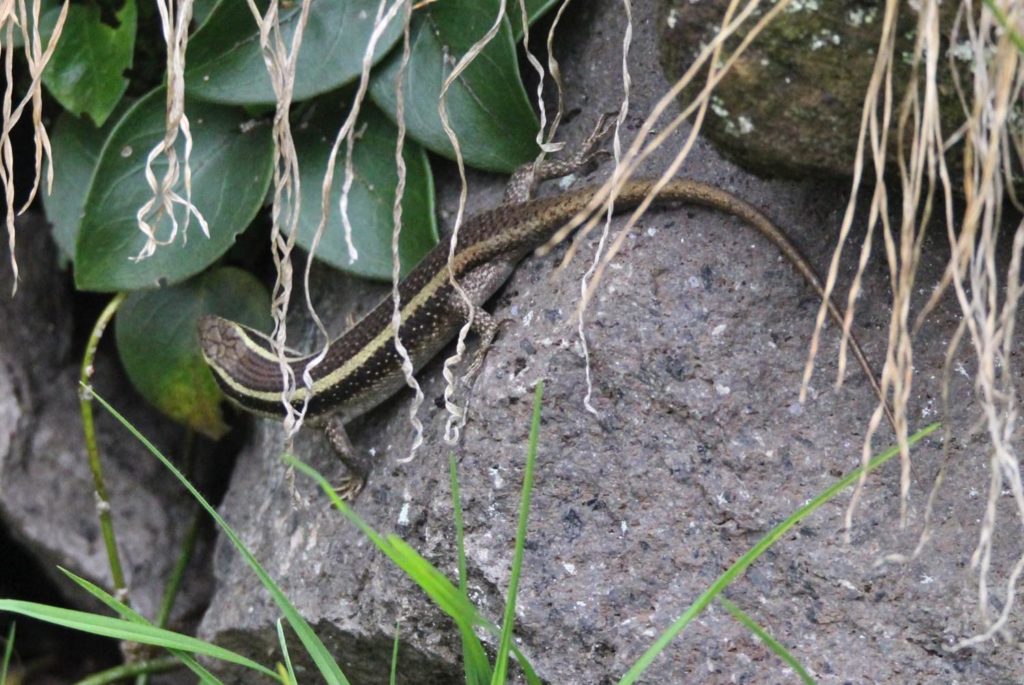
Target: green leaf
{"points": [[156, 338], [76, 145], [371, 197], [201, 10], [487, 106], [231, 170], [121, 629], [225, 63], [86, 72]]}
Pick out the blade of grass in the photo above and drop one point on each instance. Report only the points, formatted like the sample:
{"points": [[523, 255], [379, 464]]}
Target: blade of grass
{"points": [[767, 639], [129, 614], [289, 670], [476, 672], [501, 661], [1004, 22], [394, 658], [441, 591], [121, 629], [8, 651], [437, 586], [313, 645], [754, 552]]}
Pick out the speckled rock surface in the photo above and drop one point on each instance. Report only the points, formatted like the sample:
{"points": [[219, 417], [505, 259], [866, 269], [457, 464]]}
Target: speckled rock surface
{"points": [[698, 339]]}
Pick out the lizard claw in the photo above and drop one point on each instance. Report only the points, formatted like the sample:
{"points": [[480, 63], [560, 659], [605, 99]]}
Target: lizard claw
{"points": [[605, 124], [590, 151], [349, 487]]}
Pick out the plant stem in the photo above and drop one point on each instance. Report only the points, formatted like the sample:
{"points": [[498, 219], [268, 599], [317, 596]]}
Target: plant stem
{"points": [[85, 402], [118, 673]]}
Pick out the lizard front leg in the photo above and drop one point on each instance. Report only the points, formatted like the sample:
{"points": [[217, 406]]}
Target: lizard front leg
{"points": [[351, 484], [486, 327], [525, 178]]}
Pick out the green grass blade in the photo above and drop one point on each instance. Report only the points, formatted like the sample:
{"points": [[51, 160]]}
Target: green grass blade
{"points": [[1004, 22], [756, 551], [119, 607], [129, 614], [121, 629], [393, 680], [476, 667], [8, 651], [328, 668], [460, 530], [289, 670], [441, 591], [508, 623], [767, 639]]}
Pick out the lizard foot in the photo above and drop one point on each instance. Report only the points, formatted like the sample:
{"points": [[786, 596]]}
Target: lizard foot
{"points": [[349, 487]]}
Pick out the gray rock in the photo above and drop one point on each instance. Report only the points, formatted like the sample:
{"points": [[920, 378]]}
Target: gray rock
{"points": [[698, 338]]}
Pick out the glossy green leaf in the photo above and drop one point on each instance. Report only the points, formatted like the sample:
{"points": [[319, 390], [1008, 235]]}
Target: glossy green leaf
{"points": [[225, 63], [487, 106], [86, 72], [371, 196], [201, 10], [231, 170], [156, 338], [76, 145]]}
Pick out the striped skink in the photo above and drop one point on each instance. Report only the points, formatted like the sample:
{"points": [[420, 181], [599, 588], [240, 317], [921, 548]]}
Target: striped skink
{"points": [[362, 369]]}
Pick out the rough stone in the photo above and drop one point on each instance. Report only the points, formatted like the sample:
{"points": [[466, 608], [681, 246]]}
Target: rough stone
{"points": [[698, 338]]}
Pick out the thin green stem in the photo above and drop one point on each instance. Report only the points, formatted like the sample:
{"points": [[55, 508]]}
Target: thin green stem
{"points": [[85, 402], [8, 651], [188, 545], [118, 673]]}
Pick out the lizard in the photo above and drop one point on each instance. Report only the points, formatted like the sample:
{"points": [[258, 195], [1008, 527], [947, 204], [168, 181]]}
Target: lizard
{"points": [[362, 368]]}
